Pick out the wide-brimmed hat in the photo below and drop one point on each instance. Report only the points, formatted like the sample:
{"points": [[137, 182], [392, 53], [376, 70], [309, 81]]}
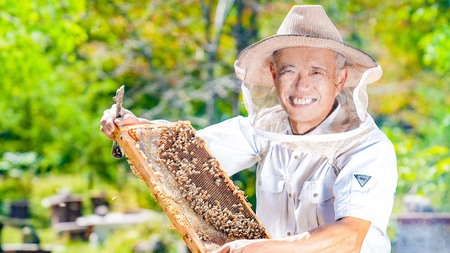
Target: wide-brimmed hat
{"points": [[304, 25]]}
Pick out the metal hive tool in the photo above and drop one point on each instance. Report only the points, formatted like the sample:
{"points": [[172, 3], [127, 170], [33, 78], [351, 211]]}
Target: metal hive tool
{"points": [[204, 205]]}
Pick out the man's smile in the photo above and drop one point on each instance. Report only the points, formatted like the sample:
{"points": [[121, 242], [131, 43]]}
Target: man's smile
{"points": [[301, 101]]}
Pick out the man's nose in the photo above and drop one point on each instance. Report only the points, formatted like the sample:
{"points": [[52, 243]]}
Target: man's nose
{"points": [[302, 83]]}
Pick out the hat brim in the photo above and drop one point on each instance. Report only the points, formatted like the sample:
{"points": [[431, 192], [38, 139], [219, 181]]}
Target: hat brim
{"points": [[253, 63]]}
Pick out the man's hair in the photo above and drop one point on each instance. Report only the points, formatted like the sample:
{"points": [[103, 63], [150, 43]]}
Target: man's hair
{"points": [[275, 57], [339, 60]]}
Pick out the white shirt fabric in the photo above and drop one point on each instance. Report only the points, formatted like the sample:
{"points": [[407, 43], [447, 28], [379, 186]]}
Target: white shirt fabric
{"points": [[297, 192]]}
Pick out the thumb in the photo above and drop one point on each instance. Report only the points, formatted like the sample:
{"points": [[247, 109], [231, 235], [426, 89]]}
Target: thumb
{"points": [[224, 249], [119, 122], [126, 120]]}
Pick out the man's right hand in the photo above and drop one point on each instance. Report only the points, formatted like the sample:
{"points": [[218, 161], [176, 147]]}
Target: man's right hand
{"points": [[109, 121]]}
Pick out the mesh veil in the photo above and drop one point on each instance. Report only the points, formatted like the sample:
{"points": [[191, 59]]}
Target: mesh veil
{"points": [[351, 122], [307, 26]]}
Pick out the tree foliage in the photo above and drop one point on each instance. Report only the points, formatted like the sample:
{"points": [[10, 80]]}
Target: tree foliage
{"points": [[61, 62]]}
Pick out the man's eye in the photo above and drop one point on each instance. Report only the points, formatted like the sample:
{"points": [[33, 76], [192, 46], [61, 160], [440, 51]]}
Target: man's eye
{"points": [[316, 73], [286, 71]]}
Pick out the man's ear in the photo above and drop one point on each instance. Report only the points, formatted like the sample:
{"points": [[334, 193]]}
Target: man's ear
{"points": [[273, 71], [341, 78]]}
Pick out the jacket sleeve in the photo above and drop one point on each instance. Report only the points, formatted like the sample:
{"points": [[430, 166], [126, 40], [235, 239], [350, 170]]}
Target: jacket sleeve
{"points": [[232, 143], [365, 187]]}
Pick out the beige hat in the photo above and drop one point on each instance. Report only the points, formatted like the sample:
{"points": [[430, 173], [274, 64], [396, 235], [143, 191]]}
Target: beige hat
{"points": [[304, 25]]}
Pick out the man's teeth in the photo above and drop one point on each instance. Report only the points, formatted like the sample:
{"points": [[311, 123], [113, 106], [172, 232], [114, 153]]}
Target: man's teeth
{"points": [[302, 101]]}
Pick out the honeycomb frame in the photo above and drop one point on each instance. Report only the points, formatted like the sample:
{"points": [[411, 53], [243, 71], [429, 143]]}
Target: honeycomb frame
{"points": [[201, 201]]}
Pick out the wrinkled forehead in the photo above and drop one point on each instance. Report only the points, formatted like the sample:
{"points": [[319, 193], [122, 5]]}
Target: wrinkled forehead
{"points": [[304, 56]]}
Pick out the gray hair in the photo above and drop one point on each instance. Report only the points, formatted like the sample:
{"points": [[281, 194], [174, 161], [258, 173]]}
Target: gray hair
{"points": [[339, 60]]}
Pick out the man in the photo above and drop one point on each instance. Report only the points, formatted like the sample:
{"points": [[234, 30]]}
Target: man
{"points": [[326, 174]]}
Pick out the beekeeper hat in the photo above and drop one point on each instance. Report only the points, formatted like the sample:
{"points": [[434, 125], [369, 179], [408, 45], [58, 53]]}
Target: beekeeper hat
{"points": [[304, 25]]}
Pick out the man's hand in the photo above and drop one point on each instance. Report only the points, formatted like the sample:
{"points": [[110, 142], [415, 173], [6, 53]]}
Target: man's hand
{"points": [[241, 246], [109, 121], [344, 235], [263, 245]]}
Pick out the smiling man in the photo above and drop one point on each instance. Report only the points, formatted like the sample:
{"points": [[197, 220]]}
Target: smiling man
{"points": [[307, 82], [326, 174]]}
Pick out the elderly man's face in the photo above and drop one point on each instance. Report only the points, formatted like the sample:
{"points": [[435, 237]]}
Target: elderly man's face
{"points": [[307, 84]]}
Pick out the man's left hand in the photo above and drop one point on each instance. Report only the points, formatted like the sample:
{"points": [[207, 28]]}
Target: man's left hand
{"points": [[241, 246]]}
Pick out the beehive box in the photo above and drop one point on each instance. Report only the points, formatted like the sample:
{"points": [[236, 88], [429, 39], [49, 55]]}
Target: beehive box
{"points": [[204, 205]]}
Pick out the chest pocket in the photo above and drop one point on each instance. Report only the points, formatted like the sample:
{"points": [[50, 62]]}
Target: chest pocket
{"points": [[271, 203], [271, 183], [317, 201]]}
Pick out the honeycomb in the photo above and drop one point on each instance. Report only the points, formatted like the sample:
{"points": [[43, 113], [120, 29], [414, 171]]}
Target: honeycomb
{"points": [[205, 206]]}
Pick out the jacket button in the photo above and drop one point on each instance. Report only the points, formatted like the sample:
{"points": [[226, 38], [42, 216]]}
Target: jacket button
{"points": [[315, 195], [289, 233]]}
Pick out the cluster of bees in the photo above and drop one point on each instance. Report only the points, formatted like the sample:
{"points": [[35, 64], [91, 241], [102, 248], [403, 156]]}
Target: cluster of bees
{"points": [[180, 150]]}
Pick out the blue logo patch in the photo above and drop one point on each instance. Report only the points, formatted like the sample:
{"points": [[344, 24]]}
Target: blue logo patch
{"points": [[362, 179]]}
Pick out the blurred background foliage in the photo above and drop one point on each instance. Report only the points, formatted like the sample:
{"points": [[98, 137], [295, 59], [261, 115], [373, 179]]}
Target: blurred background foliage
{"points": [[61, 62]]}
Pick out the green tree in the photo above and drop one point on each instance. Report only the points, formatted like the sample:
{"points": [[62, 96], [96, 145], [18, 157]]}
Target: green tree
{"points": [[61, 62]]}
